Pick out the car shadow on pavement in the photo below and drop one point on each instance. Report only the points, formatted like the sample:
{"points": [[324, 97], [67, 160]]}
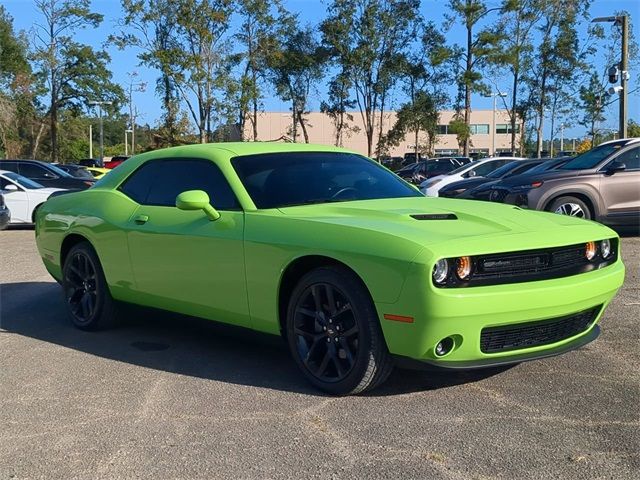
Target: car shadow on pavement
{"points": [[186, 346]]}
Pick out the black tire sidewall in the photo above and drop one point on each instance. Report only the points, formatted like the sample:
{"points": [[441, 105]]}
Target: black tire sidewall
{"points": [[84, 248], [364, 314]]}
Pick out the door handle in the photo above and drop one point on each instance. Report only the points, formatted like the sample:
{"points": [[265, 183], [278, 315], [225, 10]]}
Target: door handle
{"points": [[141, 219]]}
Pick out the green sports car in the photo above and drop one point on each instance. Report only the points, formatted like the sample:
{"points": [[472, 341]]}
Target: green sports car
{"points": [[351, 265]]}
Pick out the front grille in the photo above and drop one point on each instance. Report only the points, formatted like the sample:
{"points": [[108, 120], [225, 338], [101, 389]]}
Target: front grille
{"points": [[531, 262], [544, 332]]}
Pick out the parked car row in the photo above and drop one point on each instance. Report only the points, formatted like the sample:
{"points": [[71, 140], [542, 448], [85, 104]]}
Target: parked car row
{"points": [[602, 184], [26, 184], [418, 172]]}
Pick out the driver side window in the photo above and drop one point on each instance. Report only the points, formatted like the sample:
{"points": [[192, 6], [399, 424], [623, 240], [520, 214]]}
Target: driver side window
{"points": [[631, 158]]}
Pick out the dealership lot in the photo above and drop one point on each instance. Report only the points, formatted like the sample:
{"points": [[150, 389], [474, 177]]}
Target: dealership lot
{"points": [[168, 397]]}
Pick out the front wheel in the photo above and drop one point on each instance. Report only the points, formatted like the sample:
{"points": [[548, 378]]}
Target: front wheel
{"points": [[571, 206], [334, 334], [86, 292]]}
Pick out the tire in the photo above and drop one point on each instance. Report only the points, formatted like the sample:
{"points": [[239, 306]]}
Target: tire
{"points": [[87, 297], [333, 333], [571, 206]]}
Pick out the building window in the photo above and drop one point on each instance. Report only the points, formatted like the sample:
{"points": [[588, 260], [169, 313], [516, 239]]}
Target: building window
{"points": [[443, 129], [506, 128], [479, 129]]}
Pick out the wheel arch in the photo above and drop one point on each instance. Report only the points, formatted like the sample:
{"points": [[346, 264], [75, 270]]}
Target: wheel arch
{"points": [[35, 211], [586, 198], [295, 270], [68, 243]]}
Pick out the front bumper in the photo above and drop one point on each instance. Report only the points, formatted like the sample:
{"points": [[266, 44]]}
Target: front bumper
{"points": [[463, 313]]}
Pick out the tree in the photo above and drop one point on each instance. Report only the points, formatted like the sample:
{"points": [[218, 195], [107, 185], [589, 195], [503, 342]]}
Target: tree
{"points": [[558, 61], [15, 83], [294, 71], [423, 73], [479, 47], [461, 129], [337, 106], [365, 39], [633, 129], [514, 53], [186, 41], [418, 115], [72, 73], [593, 103], [264, 23]]}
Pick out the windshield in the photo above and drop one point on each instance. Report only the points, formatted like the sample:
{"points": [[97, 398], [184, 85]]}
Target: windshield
{"points": [[593, 157], [23, 181], [503, 170], [462, 168], [548, 165], [59, 171], [296, 178]]}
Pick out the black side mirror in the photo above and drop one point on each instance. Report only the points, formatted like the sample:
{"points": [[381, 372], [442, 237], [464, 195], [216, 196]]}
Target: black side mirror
{"points": [[614, 167]]}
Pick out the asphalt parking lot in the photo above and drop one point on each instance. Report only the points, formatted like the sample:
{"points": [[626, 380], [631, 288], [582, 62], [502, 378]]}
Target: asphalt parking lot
{"points": [[166, 397]]}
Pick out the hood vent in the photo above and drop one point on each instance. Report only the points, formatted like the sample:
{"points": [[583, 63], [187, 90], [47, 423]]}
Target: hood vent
{"points": [[435, 216]]}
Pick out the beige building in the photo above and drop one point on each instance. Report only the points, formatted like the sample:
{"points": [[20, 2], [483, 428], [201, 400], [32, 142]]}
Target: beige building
{"points": [[278, 125]]}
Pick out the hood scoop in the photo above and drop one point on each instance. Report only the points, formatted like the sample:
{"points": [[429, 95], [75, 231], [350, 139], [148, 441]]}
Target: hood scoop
{"points": [[435, 216]]}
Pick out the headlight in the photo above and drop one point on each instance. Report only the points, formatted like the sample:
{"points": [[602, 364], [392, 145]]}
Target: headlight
{"points": [[605, 248], [440, 271], [590, 250]]}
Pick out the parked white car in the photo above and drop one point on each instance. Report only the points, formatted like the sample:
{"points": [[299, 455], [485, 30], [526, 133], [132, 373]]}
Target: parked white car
{"points": [[479, 168], [22, 196]]}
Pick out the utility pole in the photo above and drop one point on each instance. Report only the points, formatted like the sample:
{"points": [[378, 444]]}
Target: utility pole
{"points": [[623, 21], [624, 74], [493, 125], [561, 137], [90, 141], [133, 87], [100, 104]]}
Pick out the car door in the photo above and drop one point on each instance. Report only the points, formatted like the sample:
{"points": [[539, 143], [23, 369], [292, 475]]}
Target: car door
{"points": [[181, 260], [621, 190], [38, 173], [17, 201]]}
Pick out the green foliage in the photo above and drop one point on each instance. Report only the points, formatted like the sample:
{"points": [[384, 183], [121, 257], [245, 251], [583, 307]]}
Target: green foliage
{"points": [[461, 130], [295, 68], [592, 97], [366, 39], [633, 129]]}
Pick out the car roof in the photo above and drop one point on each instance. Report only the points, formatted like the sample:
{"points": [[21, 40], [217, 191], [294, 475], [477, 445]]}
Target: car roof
{"points": [[625, 141]]}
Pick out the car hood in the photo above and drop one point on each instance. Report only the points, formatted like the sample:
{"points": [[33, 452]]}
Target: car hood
{"points": [[45, 192], [527, 178], [431, 179], [463, 226]]}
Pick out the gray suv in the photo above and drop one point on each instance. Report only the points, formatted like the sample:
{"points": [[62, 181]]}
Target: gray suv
{"points": [[602, 184]]}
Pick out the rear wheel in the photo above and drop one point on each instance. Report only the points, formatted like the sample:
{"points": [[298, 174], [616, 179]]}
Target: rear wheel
{"points": [[86, 292], [571, 206], [333, 333]]}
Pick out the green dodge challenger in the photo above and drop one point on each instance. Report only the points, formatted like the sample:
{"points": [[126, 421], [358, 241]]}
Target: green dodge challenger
{"points": [[351, 265]]}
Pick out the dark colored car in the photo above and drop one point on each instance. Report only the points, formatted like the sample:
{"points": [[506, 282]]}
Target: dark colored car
{"points": [[483, 189], [78, 171], [115, 161], [457, 189], [91, 162], [5, 214], [602, 184], [46, 174]]}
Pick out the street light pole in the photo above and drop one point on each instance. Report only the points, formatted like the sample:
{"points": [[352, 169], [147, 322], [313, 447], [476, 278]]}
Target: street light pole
{"points": [[493, 126], [100, 104], [623, 21]]}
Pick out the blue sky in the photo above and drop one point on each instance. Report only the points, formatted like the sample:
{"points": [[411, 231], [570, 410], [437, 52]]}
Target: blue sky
{"points": [[25, 16]]}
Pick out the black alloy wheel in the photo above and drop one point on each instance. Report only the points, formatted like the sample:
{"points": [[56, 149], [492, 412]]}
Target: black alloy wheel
{"points": [[334, 334], [87, 295], [326, 332]]}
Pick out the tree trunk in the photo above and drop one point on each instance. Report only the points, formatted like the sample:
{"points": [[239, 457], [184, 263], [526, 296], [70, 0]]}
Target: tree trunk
{"points": [[514, 114], [467, 88]]}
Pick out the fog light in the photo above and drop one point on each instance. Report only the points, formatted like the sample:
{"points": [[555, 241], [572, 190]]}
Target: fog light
{"points": [[590, 250], [463, 268], [444, 346], [605, 248], [440, 271]]}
